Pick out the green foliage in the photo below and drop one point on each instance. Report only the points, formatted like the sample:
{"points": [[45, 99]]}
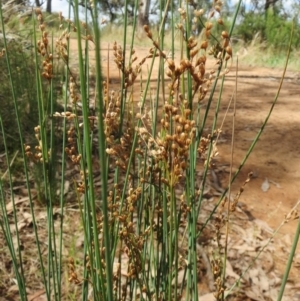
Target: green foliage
{"points": [[274, 30], [251, 24], [23, 71], [22, 25], [278, 31], [22, 61], [115, 9]]}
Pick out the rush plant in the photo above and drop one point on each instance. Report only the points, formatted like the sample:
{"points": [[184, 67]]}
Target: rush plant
{"points": [[124, 175]]}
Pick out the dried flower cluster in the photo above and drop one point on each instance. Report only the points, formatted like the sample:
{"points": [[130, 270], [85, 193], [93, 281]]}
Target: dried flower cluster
{"points": [[195, 63], [233, 204], [73, 277], [112, 117], [217, 267], [294, 214], [130, 72], [204, 146], [43, 48], [61, 46], [74, 95], [36, 155], [62, 43], [71, 149]]}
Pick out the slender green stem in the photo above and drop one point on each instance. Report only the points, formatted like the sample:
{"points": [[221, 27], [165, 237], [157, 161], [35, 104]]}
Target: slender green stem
{"points": [[259, 133], [297, 234], [16, 258], [16, 109], [63, 169], [102, 154], [87, 159], [289, 262]]}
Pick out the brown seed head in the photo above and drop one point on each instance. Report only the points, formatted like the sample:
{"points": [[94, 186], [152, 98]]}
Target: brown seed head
{"points": [[193, 52], [208, 25], [199, 13], [225, 34], [171, 64], [220, 21], [218, 8], [225, 43], [204, 45], [229, 50], [207, 34]]}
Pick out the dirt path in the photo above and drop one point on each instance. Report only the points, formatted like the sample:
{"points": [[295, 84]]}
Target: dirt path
{"points": [[276, 156]]}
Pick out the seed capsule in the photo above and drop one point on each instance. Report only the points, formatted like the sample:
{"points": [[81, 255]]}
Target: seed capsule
{"points": [[225, 34], [229, 50], [204, 45]]}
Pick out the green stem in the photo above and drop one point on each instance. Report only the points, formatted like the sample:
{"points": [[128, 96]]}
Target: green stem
{"points": [[289, 262], [103, 160], [24, 160]]}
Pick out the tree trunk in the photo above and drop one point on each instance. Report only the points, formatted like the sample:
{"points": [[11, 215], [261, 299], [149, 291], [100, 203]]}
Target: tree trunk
{"points": [[269, 3], [37, 3], [48, 8], [143, 17]]}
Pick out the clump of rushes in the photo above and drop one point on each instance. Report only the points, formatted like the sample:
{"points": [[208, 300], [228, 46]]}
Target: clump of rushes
{"points": [[150, 217], [161, 162], [164, 160]]}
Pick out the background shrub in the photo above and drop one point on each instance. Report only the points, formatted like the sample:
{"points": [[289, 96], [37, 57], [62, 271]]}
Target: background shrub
{"points": [[23, 71]]}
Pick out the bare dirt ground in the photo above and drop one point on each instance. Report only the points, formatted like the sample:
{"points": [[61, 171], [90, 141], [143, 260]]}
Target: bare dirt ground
{"points": [[275, 157]]}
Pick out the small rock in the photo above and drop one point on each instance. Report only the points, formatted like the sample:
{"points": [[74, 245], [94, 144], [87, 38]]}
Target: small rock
{"points": [[265, 185]]}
